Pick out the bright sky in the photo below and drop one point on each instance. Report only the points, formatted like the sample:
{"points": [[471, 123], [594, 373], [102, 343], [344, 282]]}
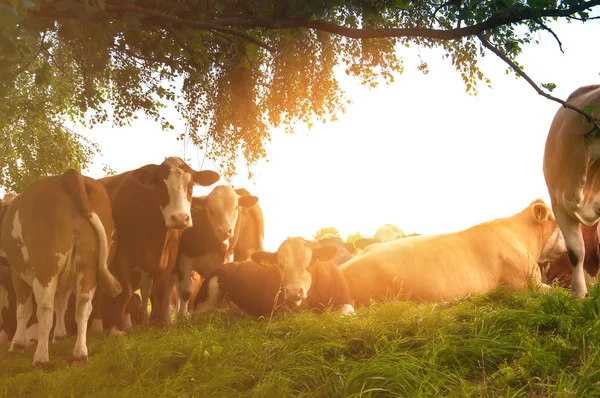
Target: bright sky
{"points": [[420, 153]]}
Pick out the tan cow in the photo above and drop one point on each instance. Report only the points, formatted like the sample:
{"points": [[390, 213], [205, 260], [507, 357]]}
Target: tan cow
{"points": [[56, 237], [571, 170], [385, 233], [300, 273], [151, 208], [251, 231], [505, 251]]}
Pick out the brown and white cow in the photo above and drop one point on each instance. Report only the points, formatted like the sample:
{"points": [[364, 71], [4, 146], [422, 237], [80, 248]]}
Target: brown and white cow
{"points": [[56, 237], [345, 250], [385, 233], [560, 270], [151, 208], [571, 170], [299, 273], [504, 251], [212, 239]]}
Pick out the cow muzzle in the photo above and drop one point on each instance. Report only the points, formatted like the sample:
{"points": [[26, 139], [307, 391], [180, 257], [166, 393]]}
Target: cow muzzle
{"points": [[224, 233], [294, 294], [179, 221]]}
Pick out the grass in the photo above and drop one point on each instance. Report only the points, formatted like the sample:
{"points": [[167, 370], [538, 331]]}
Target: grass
{"points": [[502, 344]]}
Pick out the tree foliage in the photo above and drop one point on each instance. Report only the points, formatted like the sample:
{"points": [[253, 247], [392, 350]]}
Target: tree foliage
{"points": [[351, 238], [238, 67], [324, 231]]}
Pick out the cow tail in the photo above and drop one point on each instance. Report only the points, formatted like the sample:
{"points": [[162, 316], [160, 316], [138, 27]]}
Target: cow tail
{"points": [[108, 283]]}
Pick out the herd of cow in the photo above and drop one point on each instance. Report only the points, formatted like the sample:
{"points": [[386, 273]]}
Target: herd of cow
{"points": [[67, 234]]}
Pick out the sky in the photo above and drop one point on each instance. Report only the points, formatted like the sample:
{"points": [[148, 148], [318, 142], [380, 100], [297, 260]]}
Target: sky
{"points": [[419, 153]]}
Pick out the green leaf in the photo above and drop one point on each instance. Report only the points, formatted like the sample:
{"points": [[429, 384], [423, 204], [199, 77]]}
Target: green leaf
{"points": [[549, 86]]}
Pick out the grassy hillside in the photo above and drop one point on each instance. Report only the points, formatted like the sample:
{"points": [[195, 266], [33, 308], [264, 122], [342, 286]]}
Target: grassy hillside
{"points": [[503, 344]]}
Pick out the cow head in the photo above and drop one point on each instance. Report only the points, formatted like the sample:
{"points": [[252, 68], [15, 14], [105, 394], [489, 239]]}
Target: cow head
{"points": [[552, 238], [173, 181], [295, 259], [222, 206], [345, 250], [386, 233]]}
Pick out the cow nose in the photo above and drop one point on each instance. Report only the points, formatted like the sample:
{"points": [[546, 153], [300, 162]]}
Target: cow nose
{"points": [[225, 232], [180, 220], [294, 293]]}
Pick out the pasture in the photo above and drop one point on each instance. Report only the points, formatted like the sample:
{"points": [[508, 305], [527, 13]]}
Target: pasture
{"points": [[502, 344]]}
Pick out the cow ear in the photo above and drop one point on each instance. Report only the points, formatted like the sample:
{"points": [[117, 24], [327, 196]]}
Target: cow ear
{"points": [[206, 178], [541, 212], [324, 253], [247, 201], [199, 202], [146, 175], [267, 259], [350, 247], [362, 243]]}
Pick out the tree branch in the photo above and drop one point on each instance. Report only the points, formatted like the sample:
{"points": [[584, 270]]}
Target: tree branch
{"points": [[520, 72], [22, 68], [546, 28], [192, 23]]}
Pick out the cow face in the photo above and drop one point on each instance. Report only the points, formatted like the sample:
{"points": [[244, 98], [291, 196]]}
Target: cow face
{"points": [[222, 206], [554, 245], [388, 233], [173, 181], [295, 259]]}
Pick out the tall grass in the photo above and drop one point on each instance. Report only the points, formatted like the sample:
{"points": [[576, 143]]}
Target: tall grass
{"points": [[499, 345]]}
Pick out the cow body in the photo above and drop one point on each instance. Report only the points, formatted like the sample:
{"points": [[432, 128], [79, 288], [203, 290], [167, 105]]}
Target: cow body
{"points": [[560, 270], [444, 267], [56, 237], [151, 208], [297, 274], [572, 174]]}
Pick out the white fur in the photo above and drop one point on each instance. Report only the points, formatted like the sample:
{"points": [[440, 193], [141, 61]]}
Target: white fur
{"points": [[116, 332], [17, 233], [24, 312], [212, 300], [555, 246], [31, 335], [61, 302], [346, 309], [83, 309], [177, 183], [44, 296]]}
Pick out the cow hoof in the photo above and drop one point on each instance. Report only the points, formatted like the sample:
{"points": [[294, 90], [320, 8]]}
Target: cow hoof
{"points": [[56, 339], [40, 362], [116, 332], [17, 347], [78, 359], [578, 295], [346, 309]]}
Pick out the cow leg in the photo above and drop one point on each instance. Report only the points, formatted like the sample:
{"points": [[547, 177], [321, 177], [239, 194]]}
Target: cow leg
{"points": [[97, 325], [61, 302], [145, 290], [122, 300], [162, 288], [571, 230], [24, 311], [44, 296], [184, 285], [83, 308], [209, 297]]}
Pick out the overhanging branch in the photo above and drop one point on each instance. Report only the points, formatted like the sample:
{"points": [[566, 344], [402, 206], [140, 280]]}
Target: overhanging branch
{"points": [[520, 72]]}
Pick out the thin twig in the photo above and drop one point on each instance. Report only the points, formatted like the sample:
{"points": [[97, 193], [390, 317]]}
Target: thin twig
{"points": [[520, 72], [546, 28], [21, 69]]}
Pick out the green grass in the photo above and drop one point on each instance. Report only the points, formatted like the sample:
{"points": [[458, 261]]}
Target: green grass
{"points": [[500, 345]]}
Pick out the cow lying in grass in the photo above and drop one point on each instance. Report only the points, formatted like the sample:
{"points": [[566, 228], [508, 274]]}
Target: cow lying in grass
{"points": [[300, 273], [505, 251]]}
